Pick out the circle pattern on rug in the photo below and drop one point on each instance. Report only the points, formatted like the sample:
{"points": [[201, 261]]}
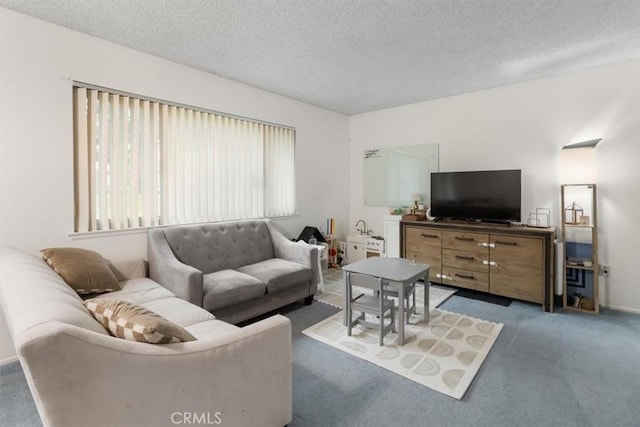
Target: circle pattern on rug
{"points": [[428, 367], [410, 360], [388, 353], [425, 345], [451, 378], [476, 341], [443, 349]]}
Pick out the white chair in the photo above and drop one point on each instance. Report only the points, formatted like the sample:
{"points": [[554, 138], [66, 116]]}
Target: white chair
{"points": [[377, 304]]}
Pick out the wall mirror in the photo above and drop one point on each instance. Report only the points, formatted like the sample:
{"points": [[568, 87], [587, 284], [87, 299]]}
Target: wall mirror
{"points": [[392, 175]]}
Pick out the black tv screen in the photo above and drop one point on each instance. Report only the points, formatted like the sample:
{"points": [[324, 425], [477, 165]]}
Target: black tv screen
{"points": [[477, 195]]}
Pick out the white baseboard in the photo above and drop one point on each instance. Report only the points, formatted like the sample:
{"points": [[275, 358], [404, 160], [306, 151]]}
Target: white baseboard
{"points": [[8, 360], [622, 308]]}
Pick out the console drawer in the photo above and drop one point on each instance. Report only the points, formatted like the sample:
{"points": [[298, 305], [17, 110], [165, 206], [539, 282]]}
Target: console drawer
{"points": [[466, 279], [432, 258], [417, 239], [466, 260], [465, 241]]}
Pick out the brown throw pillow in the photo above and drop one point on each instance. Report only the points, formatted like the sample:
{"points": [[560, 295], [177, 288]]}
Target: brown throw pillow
{"points": [[87, 272], [132, 322]]}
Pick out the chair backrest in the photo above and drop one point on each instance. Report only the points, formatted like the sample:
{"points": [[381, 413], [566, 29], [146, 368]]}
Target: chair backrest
{"points": [[364, 281]]}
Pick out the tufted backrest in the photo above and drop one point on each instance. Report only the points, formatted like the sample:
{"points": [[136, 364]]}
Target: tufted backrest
{"points": [[219, 246]]}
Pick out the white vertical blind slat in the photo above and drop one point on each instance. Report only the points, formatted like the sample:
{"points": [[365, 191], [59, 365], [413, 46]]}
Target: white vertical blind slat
{"points": [[124, 189], [146, 197], [81, 164], [207, 190], [92, 110], [103, 189], [135, 200], [217, 169], [173, 170], [164, 164], [155, 174], [115, 165]]}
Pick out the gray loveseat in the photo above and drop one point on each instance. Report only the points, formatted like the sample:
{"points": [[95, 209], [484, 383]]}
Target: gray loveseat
{"points": [[236, 270]]}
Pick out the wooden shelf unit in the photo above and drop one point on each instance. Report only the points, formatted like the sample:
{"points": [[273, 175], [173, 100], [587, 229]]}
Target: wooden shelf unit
{"points": [[572, 235], [512, 261]]}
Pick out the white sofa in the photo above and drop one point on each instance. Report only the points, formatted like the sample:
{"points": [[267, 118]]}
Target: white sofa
{"points": [[79, 375]]}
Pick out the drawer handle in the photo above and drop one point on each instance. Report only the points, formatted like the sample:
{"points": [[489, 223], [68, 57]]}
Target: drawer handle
{"points": [[464, 276], [430, 236], [486, 245], [465, 239], [500, 242], [468, 258], [491, 263]]}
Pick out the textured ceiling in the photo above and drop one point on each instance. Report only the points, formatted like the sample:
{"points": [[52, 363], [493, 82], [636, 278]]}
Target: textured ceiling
{"points": [[354, 56]]}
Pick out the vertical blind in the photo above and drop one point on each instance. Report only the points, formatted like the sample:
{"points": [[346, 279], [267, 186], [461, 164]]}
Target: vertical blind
{"points": [[141, 163]]}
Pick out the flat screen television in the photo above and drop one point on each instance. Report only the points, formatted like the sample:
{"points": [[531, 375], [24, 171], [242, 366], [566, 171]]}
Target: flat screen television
{"points": [[477, 195]]}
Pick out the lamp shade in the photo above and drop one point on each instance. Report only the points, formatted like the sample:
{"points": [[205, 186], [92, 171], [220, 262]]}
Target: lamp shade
{"points": [[578, 163]]}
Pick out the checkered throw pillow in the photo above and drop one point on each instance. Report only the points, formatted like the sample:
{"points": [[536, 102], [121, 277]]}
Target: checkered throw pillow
{"points": [[132, 322]]}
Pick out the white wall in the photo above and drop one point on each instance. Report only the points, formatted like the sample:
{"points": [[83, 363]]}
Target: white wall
{"points": [[39, 61], [523, 126]]}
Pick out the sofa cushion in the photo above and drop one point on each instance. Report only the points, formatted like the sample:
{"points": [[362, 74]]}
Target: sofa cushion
{"points": [[219, 246], [135, 323], [179, 311], [152, 296], [278, 274], [87, 272], [139, 291], [125, 270], [229, 287], [211, 329]]}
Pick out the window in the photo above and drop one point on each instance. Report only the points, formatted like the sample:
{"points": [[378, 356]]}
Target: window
{"points": [[142, 163]]}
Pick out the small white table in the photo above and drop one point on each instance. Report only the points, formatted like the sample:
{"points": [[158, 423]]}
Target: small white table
{"points": [[400, 273]]}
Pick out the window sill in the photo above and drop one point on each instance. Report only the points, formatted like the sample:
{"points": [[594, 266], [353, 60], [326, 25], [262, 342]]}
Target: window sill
{"points": [[144, 230]]}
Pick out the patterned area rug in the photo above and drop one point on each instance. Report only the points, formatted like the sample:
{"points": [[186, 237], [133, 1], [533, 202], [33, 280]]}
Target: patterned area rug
{"points": [[444, 355]]}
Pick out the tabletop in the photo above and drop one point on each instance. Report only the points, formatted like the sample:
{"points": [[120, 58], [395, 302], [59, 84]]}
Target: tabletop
{"points": [[392, 269]]}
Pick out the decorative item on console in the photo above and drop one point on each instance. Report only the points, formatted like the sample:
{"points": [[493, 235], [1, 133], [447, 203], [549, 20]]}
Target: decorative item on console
{"points": [[415, 215], [539, 218], [417, 201]]}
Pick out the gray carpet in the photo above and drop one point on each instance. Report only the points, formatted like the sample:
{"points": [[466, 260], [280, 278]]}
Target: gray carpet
{"points": [[562, 369], [16, 405]]}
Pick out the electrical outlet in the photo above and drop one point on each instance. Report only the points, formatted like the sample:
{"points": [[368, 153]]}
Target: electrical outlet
{"points": [[604, 269]]}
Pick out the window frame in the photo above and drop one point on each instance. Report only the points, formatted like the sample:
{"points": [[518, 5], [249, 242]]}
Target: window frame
{"points": [[144, 228]]}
